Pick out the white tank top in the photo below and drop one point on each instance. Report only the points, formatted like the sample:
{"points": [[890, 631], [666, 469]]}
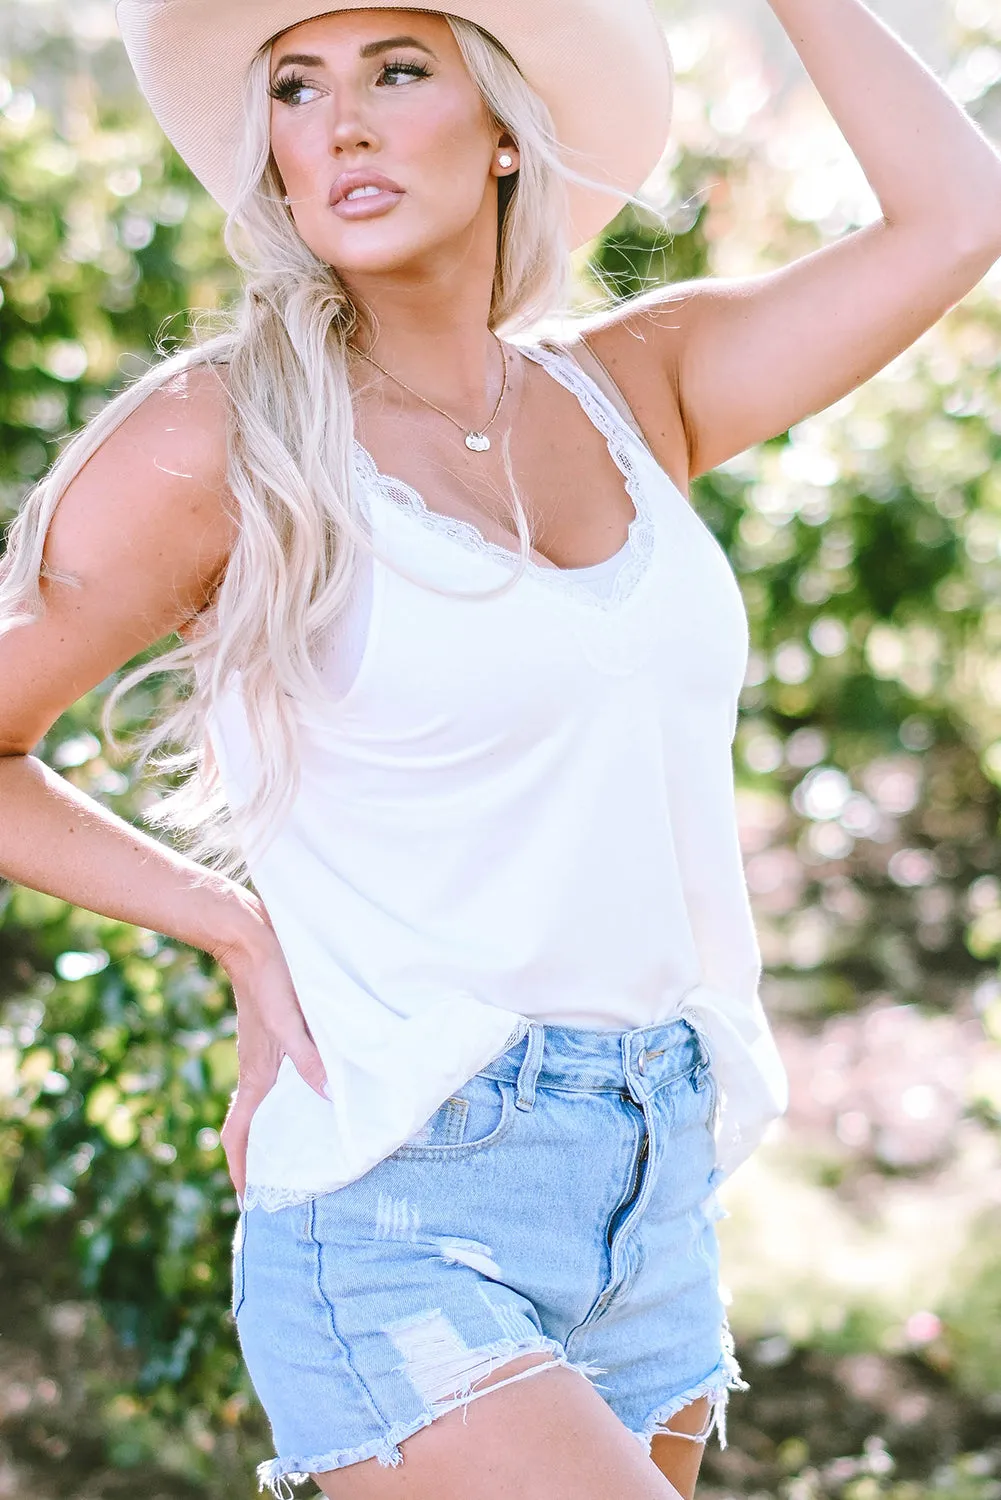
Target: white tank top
{"points": [[518, 808]]}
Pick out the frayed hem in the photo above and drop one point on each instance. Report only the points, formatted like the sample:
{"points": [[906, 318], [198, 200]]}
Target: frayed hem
{"points": [[278, 1474], [725, 1378], [504, 1352]]}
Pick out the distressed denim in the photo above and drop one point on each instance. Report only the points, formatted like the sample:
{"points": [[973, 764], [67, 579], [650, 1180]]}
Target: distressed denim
{"points": [[562, 1201]]}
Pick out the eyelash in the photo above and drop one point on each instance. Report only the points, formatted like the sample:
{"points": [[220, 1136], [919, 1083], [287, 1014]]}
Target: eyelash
{"points": [[286, 87]]}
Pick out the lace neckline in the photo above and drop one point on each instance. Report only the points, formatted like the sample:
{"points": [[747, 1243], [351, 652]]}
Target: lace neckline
{"points": [[623, 446]]}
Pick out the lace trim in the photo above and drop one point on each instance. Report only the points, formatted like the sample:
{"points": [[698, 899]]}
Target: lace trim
{"points": [[271, 1199], [622, 445]]}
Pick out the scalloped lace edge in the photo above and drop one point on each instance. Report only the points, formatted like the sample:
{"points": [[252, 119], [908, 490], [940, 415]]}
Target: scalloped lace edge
{"points": [[271, 1199], [621, 445]]}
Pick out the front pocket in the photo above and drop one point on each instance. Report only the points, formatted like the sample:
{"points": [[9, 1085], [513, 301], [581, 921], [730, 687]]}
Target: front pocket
{"points": [[239, 1241], [476, 1116]]}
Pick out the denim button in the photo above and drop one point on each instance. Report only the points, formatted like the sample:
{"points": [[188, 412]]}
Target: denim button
{"points": [[641, 1062]]}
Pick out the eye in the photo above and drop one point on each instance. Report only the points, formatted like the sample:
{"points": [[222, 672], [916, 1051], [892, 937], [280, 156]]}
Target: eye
{"points": [[285, 87], [408, 69]]}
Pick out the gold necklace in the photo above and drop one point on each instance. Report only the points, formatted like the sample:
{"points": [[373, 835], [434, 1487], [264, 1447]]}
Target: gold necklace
{"points": [[476, 440]]}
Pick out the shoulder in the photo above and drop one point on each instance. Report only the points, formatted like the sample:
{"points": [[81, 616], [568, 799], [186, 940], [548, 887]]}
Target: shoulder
{"points": [[131, 550], [154, 493], [637, 342], [188, 424], [186, 417], [171, 443]]}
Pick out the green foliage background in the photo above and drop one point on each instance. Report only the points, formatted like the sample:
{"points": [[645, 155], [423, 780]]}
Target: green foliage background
{"points": [[868, 755]]}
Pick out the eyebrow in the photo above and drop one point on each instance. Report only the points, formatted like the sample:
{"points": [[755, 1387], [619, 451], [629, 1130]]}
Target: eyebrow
{"points": [[374, 48], [371, 49]]}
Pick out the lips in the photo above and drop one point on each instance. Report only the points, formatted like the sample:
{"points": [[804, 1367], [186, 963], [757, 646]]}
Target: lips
{"points": [[349, 181]]}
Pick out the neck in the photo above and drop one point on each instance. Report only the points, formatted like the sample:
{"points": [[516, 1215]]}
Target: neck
{"points": [[429, 327]]}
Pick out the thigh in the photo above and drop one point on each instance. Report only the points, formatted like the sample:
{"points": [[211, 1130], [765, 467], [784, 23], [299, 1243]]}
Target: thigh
{"points": [[548, 1437], [680, 1458]]}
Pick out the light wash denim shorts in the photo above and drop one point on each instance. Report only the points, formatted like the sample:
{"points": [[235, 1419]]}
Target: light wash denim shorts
{"points": [[562, 1202]]}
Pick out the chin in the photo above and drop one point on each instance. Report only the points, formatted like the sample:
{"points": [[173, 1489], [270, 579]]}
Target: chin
{"points": [[370, 261], [382, 246]]}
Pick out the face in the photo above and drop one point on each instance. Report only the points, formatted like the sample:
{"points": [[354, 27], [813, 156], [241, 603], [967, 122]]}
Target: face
{"points": [[383, 140]]}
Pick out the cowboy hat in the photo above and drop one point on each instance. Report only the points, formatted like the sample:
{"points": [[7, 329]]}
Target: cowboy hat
{"points": [[602, 66]]}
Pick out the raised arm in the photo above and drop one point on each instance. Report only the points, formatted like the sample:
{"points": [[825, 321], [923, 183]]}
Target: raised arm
{"points": [[743, 359]]}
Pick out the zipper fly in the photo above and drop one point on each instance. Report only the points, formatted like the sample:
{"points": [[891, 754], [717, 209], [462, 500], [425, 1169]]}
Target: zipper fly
{"points": [[631, 1196]]}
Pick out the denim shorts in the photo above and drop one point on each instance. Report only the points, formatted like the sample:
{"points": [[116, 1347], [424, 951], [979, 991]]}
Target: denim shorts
{"points": [[562, 1201]]}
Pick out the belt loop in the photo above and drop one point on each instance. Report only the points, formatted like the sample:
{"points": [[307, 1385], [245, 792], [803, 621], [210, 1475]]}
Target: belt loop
{"points": [[531, 1063], [705, 1054]]}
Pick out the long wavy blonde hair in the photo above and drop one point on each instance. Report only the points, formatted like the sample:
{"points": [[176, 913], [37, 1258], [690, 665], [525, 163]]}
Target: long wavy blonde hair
{"points": [[290, 430]]}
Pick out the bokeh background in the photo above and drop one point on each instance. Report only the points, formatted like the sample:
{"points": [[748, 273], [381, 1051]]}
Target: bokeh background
{"points": [[862, 1252]]}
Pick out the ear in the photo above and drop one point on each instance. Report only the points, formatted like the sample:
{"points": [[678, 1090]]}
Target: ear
{"points": [[507, 158]]}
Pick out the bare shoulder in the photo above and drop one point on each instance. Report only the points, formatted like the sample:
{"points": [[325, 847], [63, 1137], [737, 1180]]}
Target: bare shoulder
{"points": [[158, 481], [634, 343], [142, 535], [180, 432]]}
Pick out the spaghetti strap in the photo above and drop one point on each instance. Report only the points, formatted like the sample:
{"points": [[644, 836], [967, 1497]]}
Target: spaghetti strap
{"points": [[584, 355], [591, 382]]}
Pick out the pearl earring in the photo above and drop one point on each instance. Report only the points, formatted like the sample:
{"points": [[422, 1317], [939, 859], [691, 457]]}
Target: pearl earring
{"points": [[286, 199], [506, 160]]}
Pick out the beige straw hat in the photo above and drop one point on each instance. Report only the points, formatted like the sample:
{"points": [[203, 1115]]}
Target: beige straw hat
{"points": [[602, 66]]}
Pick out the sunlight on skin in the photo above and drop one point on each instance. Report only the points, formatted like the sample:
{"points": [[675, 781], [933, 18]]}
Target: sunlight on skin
{"points": [[431, 135], [677, 1459], [599, 1451]]}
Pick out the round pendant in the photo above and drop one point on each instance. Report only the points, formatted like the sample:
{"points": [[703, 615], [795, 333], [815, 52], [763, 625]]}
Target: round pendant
{"points": [[477, 441]]}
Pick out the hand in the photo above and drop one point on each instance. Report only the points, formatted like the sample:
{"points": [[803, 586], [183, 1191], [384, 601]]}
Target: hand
{"points": [[269, 1026]]}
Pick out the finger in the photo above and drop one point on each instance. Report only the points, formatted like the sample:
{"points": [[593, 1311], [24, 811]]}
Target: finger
{"points": [[235, 1132], [307, 1061], [233, 1137], [257, 1078]]}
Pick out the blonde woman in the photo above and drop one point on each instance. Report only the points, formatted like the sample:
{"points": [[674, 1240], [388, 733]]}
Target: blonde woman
{"points": [[463, 670]]}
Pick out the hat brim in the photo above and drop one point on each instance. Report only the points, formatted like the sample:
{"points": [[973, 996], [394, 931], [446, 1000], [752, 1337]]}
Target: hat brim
{"points": [[602, 66]]}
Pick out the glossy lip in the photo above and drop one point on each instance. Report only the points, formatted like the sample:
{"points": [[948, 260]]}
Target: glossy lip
{"points": [[349, 181], [367, 208]]}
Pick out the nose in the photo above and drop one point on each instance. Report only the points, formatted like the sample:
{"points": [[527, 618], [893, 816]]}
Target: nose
{"points": [[350, 131]]}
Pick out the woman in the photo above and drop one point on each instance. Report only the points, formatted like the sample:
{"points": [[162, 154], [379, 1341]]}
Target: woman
{"points": [[464, 680]]}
